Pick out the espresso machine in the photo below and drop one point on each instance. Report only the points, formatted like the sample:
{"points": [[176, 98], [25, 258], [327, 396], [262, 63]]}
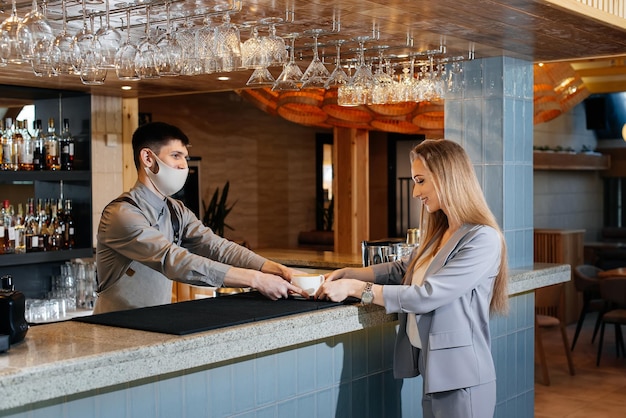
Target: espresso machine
{"points": [[386, 250]]}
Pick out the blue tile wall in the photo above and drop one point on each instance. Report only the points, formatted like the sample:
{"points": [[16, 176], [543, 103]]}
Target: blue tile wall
{"points": [[328, 381]]}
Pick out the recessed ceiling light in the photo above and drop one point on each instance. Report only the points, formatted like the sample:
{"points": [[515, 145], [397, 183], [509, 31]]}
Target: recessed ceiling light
{"points": [[223, 78], [126, 88]]}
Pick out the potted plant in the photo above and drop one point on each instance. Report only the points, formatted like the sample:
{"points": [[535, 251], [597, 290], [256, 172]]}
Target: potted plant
{"points": [[217, 211]]}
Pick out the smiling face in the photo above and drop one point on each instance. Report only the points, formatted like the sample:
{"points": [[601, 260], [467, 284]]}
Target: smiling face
{"points": [[424, 188]]}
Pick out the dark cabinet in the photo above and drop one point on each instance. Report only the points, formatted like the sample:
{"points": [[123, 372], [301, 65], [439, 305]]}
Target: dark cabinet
{"points": [[32, 271]]}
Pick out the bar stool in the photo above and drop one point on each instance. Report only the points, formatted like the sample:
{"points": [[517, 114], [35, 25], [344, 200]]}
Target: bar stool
{"points": [[549, 313], [587, 282]]}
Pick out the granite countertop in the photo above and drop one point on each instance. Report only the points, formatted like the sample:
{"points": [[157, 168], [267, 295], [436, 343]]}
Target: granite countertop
{"points": [[66, 358]]}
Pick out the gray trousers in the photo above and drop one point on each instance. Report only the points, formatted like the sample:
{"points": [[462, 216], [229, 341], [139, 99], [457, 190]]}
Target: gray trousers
{"points": [[473, 402]]}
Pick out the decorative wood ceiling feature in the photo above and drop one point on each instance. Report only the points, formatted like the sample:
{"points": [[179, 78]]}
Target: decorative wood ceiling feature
{"points": [[536, 30]]}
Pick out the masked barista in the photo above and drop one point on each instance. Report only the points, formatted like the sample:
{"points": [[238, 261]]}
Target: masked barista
{"points": [[146, 239]]}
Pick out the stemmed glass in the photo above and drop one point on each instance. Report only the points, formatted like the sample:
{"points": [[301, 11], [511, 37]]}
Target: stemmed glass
{"points": [[148, 59], [274, 44], [65, 52], [228, 45], [290, 78], [171, 51], [383, 83], [10, 25], [204, 37], [338, 77], [195, 51], [33, 29], [361, 82], [5, 47], [125, 66], [88, 44], [253, 54], [316, 73], [91, 70], [110, 40]]}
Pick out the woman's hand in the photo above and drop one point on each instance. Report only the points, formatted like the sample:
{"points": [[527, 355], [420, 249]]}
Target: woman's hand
{"points": [[338, 290]]}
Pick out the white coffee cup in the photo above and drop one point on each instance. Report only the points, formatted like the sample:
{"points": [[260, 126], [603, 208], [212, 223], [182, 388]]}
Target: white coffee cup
{"points": [[308, 282]]}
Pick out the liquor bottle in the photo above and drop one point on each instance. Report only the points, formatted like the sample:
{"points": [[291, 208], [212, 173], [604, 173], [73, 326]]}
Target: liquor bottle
{"points": [[67, 147], [68, 236], [31, 238], [20, 244], [52, 147], [39, 151], [9, 158], [42, 225], [2, 232], [26, 147], [9, 228]]}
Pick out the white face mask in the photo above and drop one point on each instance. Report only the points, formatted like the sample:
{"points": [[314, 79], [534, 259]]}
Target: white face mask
{"points": [[167, 180]]}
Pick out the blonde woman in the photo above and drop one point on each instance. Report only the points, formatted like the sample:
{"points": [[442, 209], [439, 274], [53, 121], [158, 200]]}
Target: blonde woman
{"points": [[445, 291]]}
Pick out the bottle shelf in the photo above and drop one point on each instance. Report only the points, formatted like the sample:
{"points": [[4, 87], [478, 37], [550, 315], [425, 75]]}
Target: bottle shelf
{"points": [[75, 175], [44, 257]]}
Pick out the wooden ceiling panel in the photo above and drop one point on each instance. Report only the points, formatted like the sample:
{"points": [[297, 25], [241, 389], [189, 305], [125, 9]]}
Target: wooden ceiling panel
{"points": [[535, 30]]}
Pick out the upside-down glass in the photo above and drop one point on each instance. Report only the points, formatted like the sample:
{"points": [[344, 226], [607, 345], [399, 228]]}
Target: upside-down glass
{"points": [[383, 84], [291, 76], [148, 60], [316, 73], [338, 77], [10, 25], [34, 31], [199, 48], [228, 45], [110, 40], [253, 54], [171, 51], [125, 66], [65, 52], [5, 48], [274, 44]]}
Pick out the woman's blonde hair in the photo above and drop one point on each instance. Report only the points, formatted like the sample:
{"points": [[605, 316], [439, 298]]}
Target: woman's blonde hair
{"points": [[460, 193]]}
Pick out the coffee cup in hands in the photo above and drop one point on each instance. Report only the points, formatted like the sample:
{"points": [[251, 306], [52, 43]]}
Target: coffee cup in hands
{"points": [[309, 283]]}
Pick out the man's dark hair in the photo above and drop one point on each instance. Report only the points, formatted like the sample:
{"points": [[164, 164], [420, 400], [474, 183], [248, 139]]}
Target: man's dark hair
{"points": [[155, 135]]}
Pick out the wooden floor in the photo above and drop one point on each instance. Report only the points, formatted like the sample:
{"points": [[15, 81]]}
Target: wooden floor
{"points": [[594, 392]]}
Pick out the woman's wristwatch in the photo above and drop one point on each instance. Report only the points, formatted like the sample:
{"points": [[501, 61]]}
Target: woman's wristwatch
{"points": [[367, 296]]}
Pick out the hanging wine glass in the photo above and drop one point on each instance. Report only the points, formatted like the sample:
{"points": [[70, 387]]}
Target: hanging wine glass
{"points": [[86, 40], [92, 72], [289, 79], [148, 59], [10, 25], [34, 28], [203, 44], [338, 77], [273, 44], [383, 83], [171, 51], [192, 45], [110, 40], [228, 45], [316, 73], [125, 59], [362, 80], [5, 48], [253, 54], [65, 52], [261, 76]]}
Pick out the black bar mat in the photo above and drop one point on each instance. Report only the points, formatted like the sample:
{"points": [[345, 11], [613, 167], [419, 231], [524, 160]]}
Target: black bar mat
{"points": [[188, 317]]}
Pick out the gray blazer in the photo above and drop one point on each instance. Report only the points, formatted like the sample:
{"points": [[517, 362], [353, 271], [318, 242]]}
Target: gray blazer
{"points": [[454, 306]]}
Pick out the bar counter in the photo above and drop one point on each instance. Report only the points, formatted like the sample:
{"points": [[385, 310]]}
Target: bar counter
{"points": [[311, 360]]}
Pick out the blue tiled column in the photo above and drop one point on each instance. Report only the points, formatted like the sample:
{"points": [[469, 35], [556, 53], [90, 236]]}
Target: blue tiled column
{"points": [[492, 117]]}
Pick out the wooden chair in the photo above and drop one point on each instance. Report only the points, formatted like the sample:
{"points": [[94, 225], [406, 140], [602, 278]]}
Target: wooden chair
{"points": [[587, 283], [613, 290], [550, 313]]}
